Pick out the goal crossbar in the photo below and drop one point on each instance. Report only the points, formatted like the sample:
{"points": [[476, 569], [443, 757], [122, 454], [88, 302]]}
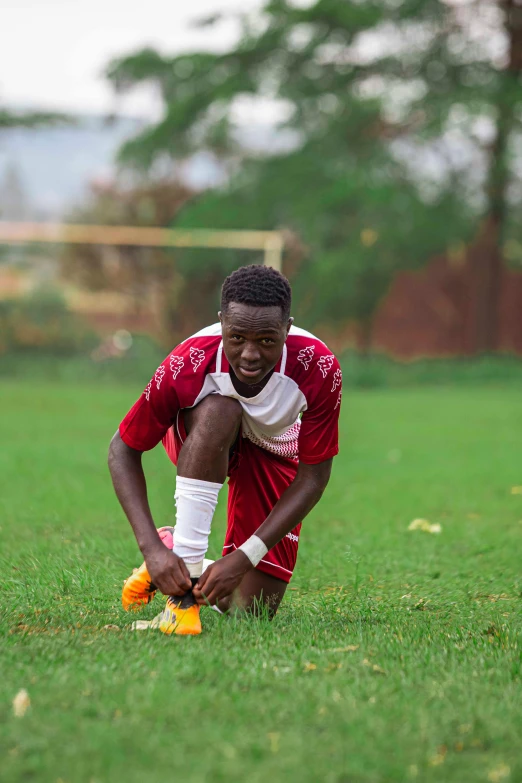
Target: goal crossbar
{"points": [[269, 242]]}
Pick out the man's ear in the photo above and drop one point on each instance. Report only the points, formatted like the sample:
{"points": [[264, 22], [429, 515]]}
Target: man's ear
{"points": [[289, 324], [220, 316]]}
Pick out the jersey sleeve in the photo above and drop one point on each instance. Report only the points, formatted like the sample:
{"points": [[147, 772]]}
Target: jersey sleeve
{"points": [[319, 434], [154, 412], [176, 384]]}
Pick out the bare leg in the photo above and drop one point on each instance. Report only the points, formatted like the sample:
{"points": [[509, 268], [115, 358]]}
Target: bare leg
{"points": [[212, 428], [255, 590]]}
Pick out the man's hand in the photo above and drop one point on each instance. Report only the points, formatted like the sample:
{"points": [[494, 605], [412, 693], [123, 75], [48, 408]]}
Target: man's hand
{"points": [[222, 578], [168, 571]]}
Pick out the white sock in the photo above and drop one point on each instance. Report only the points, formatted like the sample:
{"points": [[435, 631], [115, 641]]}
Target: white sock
{"points": [[196, 502]]}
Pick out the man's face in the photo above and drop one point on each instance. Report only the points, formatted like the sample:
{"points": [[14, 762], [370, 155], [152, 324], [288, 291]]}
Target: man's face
{"points": [[253, 340]]}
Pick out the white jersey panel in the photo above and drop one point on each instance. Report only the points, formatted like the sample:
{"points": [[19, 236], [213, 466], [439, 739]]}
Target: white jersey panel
{"points": [[306, 380], [296, 331], [271, 419], [215, 329], [208, 331]]}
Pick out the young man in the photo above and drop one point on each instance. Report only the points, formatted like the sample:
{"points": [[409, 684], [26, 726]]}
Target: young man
{"points": [[253, 398]]}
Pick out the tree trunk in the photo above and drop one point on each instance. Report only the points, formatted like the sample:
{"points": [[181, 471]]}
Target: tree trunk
{"points": [[485, 255]]}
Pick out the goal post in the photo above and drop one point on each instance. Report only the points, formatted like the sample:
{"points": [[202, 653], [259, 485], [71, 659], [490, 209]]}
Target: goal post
{"points": [[269, 242]]}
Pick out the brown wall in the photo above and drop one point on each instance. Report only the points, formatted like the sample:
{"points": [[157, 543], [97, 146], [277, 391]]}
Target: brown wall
{"points": [[428, 312]]}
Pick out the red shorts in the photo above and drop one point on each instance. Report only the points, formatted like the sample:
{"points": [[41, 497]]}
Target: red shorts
{"points": [[256, 481]]}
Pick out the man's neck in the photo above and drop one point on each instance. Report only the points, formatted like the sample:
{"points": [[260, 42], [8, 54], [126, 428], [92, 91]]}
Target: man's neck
{"points": [[249, 389]]}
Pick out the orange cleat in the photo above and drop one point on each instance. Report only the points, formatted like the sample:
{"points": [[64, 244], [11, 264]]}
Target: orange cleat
{"points": [[181, 616], [138, 589]]}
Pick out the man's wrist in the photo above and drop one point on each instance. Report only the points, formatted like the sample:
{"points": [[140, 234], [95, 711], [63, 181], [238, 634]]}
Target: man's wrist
{"points": [[150, 544], [255, 549], [243, 561]]}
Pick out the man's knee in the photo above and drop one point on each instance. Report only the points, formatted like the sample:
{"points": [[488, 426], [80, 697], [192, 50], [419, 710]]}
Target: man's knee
{"points": [[259, 594], [215, 418]]}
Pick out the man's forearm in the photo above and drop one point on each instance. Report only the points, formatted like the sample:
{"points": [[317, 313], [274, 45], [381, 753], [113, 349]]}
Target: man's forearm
{"points": [[131, 489], [224, 576], [295, 503]]}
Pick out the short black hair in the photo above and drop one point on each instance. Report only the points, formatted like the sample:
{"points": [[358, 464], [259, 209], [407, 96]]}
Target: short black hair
{"points": [[257, 285]]}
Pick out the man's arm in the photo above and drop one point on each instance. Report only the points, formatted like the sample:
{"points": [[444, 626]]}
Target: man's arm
{"points": [[296, 503], [167, 571], [222, 578]]}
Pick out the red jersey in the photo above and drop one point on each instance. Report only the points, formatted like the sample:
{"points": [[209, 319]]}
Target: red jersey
{"points": [[295, 415]]}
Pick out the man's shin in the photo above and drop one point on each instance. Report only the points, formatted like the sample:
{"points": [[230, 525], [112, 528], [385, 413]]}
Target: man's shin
{"points": [[196, 502]]}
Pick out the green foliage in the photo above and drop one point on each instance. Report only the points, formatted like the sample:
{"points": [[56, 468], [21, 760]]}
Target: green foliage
{"points": [[405, 130], [146, 275], [41, 323], [381, 372], [31, 119], [359, 227], [135, 366], [360, 214]]}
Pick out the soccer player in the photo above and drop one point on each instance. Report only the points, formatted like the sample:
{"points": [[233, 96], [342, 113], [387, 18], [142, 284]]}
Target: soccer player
{"points": [[253, 398]]}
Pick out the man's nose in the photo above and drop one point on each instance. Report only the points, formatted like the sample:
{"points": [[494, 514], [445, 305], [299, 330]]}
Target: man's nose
{"points": [[250, 353]]}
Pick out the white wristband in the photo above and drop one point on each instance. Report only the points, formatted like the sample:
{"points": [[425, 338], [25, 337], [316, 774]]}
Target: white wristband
{"points": [[254, 549]]}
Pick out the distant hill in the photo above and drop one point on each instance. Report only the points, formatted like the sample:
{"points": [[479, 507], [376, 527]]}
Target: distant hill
{"points": [[44, 172], [54, 166]]}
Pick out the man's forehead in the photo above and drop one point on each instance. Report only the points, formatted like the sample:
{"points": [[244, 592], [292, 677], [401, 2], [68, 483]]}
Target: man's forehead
{"points": [[253, 318], [259, 328]]}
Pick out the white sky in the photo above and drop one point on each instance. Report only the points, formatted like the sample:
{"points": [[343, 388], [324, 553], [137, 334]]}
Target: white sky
{"points": [[53, 52]]}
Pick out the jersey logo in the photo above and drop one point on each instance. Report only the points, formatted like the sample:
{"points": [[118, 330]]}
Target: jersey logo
{"points": [[176, 364], [338, 376], [325, 364], [306, 355], [147, 390], [158, 375], [196, 357], [338, 400]]}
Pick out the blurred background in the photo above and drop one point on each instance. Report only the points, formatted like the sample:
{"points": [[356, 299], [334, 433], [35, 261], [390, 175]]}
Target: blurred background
{"points": [[381, 138]]}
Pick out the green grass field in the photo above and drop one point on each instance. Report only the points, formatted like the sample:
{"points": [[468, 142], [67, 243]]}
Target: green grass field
{"points": [[395, 657]]}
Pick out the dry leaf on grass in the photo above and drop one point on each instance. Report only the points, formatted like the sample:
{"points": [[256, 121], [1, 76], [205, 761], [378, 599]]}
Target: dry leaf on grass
{"points": [[516, 490], [144, 625], [373, 666], [309, 667], [425, 526], [333, 666], [111, 628], [502, 772], [21, 703], [349, 648], [141, 625], [439, 757]]}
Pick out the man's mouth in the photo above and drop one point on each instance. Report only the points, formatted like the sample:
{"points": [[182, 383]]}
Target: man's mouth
{"points": [[250, 372]]}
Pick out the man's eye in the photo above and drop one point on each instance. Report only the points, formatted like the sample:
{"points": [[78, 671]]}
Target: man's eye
{"points": [[267, 341], [236, 337]]}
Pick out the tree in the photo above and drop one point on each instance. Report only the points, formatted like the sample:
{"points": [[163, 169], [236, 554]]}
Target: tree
{"points": [[364, 88], [471, 91], [29, 119], [356, 231], [147, 275]]}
